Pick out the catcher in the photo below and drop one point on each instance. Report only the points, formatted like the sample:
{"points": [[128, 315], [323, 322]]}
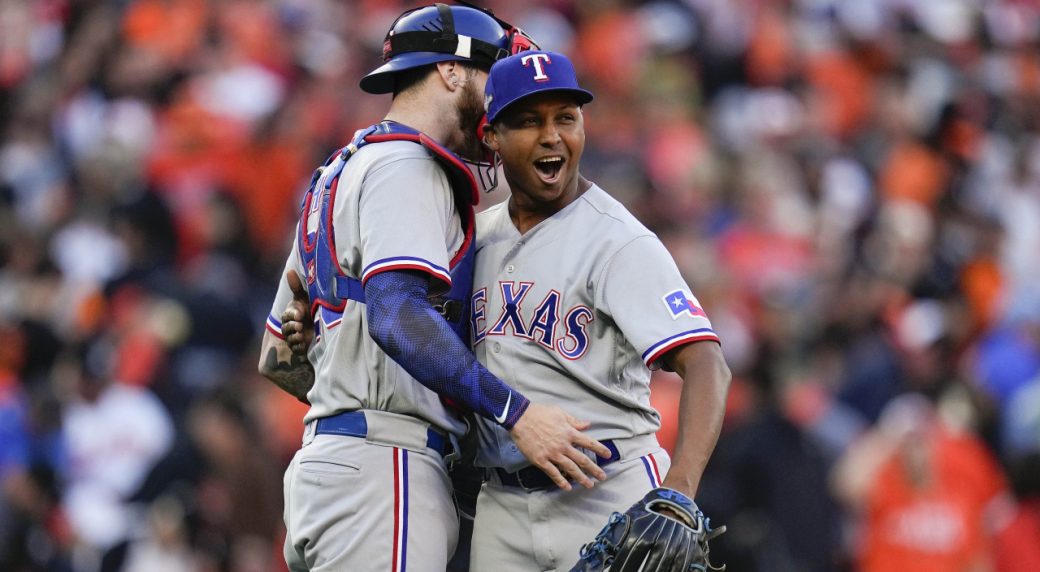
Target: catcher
{"points": [[574, 302]]}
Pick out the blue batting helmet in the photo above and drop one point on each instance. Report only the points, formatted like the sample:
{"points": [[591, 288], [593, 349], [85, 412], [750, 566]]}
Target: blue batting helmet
{"points": [[440, 33]]}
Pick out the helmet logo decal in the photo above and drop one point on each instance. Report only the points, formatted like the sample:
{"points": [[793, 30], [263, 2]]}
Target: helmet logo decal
{"points": [[488, 98], [536, 60]]}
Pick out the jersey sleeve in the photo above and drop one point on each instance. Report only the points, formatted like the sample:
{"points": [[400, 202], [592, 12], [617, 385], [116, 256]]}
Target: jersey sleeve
{"points": [[405, 211], [650, 302], [405, 325], [284, 294]]}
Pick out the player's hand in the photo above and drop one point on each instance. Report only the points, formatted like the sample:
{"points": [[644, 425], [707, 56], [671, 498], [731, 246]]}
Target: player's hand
{"points": [[552, 440], [297, 325]]}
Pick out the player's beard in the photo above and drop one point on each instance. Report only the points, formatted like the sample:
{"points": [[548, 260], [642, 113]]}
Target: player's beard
{"points": [[471, 111]]}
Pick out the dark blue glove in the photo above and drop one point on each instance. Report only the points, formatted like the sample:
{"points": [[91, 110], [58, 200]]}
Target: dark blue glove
{"points": [[663, 532]]}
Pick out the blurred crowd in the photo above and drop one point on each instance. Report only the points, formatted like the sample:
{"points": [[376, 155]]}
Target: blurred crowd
{"points": [[851, 187]]}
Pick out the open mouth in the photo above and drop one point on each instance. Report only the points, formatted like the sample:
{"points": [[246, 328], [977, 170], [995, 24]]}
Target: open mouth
{"points": [[549, 168]]}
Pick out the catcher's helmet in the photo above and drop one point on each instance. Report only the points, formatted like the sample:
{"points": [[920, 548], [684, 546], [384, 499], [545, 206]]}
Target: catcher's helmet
{"points": [[442, 33]]}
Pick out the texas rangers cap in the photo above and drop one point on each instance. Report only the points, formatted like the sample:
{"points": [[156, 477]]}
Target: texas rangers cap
{"points": [[528, 73]]}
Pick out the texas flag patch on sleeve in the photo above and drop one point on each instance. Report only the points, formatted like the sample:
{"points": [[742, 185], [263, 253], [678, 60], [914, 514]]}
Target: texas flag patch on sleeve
{"points": [[680, 302]]}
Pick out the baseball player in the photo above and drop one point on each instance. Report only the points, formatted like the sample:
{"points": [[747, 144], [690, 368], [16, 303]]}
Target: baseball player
{"points": [[383, 255], [574, 302]]}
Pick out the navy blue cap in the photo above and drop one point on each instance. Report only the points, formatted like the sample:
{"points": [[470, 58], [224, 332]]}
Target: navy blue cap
{"points": [[527, 73]]}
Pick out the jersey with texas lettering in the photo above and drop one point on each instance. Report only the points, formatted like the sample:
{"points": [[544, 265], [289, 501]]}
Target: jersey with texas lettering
{"points": [[575, 312]]}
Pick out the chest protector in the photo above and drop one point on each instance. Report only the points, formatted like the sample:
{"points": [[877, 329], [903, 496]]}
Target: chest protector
{"points": [[329, 286]]}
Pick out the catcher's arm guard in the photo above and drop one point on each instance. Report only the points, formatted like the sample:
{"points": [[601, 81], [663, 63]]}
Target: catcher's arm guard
{"points": [[664, 531]]}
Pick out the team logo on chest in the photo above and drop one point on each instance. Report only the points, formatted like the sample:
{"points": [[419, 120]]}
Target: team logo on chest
{"points": [[680, 302], [562, 332]]}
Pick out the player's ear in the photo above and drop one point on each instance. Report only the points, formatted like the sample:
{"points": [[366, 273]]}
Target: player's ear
{"points": [[490, 137], [449, 74]]}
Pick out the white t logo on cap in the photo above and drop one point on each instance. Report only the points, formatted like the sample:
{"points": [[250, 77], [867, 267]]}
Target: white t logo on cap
{"points": [[537, 60]]}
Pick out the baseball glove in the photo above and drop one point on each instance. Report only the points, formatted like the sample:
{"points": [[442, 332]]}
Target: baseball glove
{"points": [[664, 531]]}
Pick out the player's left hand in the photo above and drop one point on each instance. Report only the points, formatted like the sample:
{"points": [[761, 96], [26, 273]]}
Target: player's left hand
{"points": [[553, 441], [297, 326]]}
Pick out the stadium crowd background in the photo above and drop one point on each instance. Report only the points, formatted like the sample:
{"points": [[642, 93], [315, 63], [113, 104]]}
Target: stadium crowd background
{"points": [[851, 187]]}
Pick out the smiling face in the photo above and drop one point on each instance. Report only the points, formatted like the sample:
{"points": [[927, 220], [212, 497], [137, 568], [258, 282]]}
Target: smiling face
{"points": [[540, 139]]}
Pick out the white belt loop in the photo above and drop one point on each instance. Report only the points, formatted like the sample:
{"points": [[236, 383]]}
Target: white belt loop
{"points": [[309, 432]]}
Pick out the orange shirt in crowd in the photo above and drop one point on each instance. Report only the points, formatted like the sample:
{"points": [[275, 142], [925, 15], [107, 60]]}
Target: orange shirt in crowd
{"points": [[771, 57], [913, 172], [843, 90], [173, 29], [937, 526]]}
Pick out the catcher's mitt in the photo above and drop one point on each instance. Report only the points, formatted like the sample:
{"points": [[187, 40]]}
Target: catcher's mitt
{"points": [[648, 538]]}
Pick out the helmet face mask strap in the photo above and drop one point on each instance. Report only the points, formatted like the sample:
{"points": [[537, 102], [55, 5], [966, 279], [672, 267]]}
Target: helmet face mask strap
{"points": [[488, 172], [487, 166], [519, 41], [447, 18]]}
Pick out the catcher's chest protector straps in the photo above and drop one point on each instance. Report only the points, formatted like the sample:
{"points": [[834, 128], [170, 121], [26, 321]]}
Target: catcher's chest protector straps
{"points": [[329, 286]]}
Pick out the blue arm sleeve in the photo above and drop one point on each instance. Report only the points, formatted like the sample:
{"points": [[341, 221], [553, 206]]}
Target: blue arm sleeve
{"points": [[404, 324]]}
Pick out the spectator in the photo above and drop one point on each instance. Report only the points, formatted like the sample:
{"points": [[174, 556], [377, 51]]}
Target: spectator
{"points": [[114, 433], [926, 493]]}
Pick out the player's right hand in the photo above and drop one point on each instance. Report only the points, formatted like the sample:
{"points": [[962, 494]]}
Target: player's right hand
{"points": [[297, 326], [552, 440]]}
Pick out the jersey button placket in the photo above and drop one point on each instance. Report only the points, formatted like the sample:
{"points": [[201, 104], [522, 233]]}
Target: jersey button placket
{"points": [[510, 268]]}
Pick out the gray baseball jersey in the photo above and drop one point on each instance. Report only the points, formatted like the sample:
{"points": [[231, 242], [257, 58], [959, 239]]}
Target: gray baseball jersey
{"points": [[574, 311], [405, 219]]}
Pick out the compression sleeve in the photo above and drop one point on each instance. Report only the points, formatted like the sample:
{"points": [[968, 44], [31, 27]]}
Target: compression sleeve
{"points": [[404, 324]]}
